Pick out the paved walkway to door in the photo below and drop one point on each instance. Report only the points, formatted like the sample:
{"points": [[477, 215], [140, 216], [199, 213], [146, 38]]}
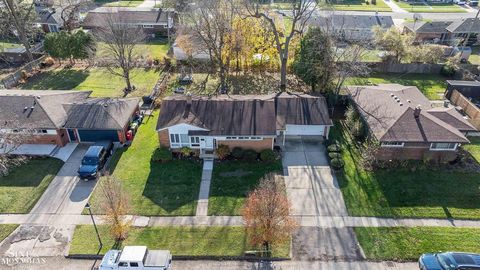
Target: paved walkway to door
{"points": [[202, 204]]}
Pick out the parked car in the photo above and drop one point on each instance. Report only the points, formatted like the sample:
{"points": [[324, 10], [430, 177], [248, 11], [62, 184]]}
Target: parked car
{"points": [[92, 162], [136, 257], [449, 261]]}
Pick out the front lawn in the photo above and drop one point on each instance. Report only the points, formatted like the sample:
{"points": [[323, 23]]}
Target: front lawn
{"points": [[407, 244], [430, 8], [423, 192], [154, 188], [180, 240], [21, 189], [99, 80], [156, 49], [231, 182], [473, 147], [474, 58], [359, 5], [432, 85], [6, 230]]}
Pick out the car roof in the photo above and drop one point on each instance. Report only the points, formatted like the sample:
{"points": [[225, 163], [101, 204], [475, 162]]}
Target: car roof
{"points": [[93, 151], [465, 259]]}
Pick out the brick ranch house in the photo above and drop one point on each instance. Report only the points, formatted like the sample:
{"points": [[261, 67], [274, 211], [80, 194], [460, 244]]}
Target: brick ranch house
{"points": [[407, 125], [58, 117], [246, 121]]}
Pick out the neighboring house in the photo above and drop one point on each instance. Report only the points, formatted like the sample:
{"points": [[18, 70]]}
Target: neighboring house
{"points": [[246, 121], [352, 27], [432, 32], [153, 21], [407, 125], [58, 117], [50, 19], [446, 32], [466, 95]]}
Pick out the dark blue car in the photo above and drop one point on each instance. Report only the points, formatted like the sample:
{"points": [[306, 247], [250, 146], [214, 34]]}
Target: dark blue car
{"points": [[92, 162], [449, 261]]}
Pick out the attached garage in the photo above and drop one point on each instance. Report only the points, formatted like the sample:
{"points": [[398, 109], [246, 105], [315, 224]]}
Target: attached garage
{"points": [[304, 130], [94, 135]]}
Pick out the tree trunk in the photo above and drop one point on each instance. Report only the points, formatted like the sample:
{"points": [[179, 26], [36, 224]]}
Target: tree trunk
{"points": [[21, 32], [223, 77], [126, 75], [283, 75]]}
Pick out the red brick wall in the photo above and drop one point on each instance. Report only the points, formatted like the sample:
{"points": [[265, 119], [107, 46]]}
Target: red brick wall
{"points": [[256, 145], [47, 138], [415, 153], [163, 138]]}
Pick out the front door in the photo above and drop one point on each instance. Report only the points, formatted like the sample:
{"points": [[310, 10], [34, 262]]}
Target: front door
{"points": [[206, 142]]}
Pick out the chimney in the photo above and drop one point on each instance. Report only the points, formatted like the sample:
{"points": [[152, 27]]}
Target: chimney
{"points": [[417, 111], [446, 103]]}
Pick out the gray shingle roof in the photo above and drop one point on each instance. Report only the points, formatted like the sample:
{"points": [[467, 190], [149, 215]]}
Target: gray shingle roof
{"points": [[132, 15], [244, 114], [16, 107], [100, 113], [352, 21], [465, 25], [388, 121], [49, 15], [429, 27]]}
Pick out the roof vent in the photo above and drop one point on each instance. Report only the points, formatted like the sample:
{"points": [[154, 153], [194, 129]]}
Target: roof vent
{"points": [[416, 112], [409, 101], [26, 108], [33, 107], [392, 95], [398, 100], [401, 104]]}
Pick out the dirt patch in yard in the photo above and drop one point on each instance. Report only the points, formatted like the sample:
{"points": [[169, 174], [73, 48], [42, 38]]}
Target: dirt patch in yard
{"points": [[236, 173]]}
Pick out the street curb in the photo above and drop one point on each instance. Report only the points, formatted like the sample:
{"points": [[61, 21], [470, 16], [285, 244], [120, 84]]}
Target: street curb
{"points": [[187, 258]]}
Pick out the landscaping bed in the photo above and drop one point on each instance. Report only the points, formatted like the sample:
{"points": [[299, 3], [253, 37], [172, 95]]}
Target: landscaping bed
{"points": [[21, 189], [232, 180], [169, 188], [99, 80], [407, 244], [180, 240], [431, 85], [420, 191]]}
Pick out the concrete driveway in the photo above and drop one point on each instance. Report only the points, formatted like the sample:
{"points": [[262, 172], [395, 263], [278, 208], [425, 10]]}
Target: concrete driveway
{"points": [[311, 187], [66, 194], [314, 192]]}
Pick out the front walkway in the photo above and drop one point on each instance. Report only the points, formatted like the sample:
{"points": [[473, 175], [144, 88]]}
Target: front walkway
{"points": [[395, 8], [202, 204]]}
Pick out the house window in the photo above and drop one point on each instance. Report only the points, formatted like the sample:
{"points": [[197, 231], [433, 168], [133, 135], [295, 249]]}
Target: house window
{"points": [[393, 144], [195, 141], [443, 146], [174, 138], [231, 138], [147, 26], [52, 28]]}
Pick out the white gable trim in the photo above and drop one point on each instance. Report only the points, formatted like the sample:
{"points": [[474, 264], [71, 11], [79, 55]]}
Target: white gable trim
{"points": [[181, 128]]}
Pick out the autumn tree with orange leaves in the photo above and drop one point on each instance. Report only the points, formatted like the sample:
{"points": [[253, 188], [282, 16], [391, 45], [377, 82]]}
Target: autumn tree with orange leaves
{"points": [[266, 214]]}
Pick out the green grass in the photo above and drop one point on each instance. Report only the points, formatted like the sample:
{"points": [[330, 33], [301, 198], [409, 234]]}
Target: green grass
{"points": [[432, 85], [431, 8], [112, 3], [9, 45], [227, 192], [407, 244], [21, 189], [154, 188], [474, 58], [6, 230], [156, 49], [422, 193], [359, 5], [180, 240], [99, 80], [473, 148]]}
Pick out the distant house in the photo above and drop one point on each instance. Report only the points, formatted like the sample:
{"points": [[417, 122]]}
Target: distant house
{"points": [[445, 32], [58, 117], [247, 121], [152, 21], [407, 125], [49, 19], [466, 95], [352, 27]]}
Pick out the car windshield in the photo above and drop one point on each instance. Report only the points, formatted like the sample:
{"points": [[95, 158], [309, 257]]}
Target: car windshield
{"points": [[89, 161], [445, 262]]}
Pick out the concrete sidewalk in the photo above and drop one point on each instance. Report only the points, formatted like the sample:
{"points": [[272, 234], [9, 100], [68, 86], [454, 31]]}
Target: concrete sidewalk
{"points": [[202, 203], [304, 221], [395, 8]]}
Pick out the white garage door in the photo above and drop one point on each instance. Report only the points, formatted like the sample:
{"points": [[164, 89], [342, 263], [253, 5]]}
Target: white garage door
{"points": [[305, 130]]}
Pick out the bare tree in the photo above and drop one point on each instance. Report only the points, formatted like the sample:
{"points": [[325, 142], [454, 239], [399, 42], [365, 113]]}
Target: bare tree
{"points": [[121, 40], [19, 14], [211, 22], [10, 141], [267, 213], [296, 17], [69, 12], [116, 204]]}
